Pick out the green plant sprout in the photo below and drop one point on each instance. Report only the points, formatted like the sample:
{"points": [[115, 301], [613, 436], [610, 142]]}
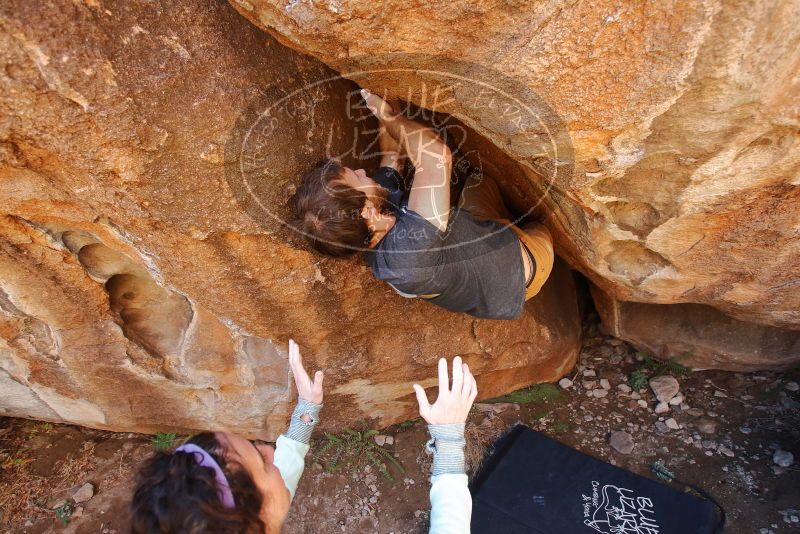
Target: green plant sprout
{"points": [[164, 441], [660, 470], [353, 448], [560, 426], [530, 395], [405, 425], [652, 367], [638, 380], [64, 512]]}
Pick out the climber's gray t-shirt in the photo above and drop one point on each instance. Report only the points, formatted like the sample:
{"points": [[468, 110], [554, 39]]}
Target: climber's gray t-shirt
{"points": [[475, 266]]}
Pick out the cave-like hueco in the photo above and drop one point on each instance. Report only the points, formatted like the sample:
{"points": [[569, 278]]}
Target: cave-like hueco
{"points": [[142, 290]]}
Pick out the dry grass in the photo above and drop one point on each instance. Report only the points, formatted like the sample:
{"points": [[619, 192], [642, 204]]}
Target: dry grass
{"points": [[27, 495], [479, 438], [20, 498]]}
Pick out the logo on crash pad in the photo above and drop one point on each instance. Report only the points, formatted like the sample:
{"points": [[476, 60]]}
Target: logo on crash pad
{"points": [[611, 509]]}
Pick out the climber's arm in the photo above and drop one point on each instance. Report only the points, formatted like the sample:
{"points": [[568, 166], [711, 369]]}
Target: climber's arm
{"points": [[390, 150], [431, 157], [291, 448]]}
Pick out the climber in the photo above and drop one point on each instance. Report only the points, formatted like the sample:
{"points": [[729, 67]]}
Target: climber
{"points": [[468, 258], [221, 482]]}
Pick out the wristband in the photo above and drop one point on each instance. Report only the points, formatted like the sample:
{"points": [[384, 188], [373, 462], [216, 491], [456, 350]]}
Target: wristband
{"points": [[300, 430], [447, 446]]}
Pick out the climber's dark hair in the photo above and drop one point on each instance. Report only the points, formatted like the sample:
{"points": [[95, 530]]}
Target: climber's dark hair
{"points": [[328, 212], [175, 494]]}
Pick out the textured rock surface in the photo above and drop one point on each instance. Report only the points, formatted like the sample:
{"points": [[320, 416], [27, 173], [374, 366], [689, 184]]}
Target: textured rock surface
{"points": [[698, 336], [684, 118], [136, 293]]}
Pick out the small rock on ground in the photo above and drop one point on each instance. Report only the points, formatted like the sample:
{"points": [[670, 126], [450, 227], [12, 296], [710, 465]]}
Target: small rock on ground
{"points": [[706, 426], [672, 424], [783, 458], [84, 493], [621, 441], [665, 387]]}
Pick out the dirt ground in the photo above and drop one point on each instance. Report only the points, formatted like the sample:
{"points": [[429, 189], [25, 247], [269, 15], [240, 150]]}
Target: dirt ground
{"points": [[728, 429]]}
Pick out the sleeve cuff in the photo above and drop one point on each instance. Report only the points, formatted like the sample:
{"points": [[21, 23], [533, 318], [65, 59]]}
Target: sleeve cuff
{"points": [[388, 178], [299, 430], [447, 446]]}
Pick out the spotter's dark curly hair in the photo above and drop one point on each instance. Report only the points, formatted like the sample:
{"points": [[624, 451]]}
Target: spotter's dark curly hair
{"points": [[175, 494]]}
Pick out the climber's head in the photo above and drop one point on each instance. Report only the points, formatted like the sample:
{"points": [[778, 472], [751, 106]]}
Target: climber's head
{"points": [[340, 210], [174, 493]]}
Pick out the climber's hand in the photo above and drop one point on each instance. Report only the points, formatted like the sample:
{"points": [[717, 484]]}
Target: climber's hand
{"points": [[453, 403], [378, 106], [306, 389]]}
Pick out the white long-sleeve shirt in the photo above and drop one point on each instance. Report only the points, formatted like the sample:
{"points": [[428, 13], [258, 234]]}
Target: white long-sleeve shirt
{"points": [[451, 504], [290, 460]]}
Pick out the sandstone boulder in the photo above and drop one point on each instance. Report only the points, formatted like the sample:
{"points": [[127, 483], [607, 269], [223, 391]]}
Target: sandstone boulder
{"points": [[140, 292], [683, 117], [698, 336]]}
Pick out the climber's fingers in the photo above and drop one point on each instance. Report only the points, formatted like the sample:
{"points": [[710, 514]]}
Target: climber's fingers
{"points": [[458, 375], [296, 364], [470, 390], [473, 393], [318, 377], [306, 389], [377, 105], [469, 383], [422, 400], [443, 380]]}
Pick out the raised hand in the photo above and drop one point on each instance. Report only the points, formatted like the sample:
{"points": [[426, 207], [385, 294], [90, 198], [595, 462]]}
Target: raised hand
{"points": [[454, 402], [306, 389], [378, 106]]}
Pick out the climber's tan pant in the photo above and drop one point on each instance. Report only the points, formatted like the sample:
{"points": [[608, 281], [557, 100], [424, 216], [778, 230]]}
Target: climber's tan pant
{"points": [[482, 198]]}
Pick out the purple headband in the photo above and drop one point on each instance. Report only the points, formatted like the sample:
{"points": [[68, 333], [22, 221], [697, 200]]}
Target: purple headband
{"points": [[206, 460]]}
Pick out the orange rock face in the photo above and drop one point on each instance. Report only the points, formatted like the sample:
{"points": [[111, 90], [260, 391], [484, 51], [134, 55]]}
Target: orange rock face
{"points": [[141, 290], [148, 281], [683, 119]]}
